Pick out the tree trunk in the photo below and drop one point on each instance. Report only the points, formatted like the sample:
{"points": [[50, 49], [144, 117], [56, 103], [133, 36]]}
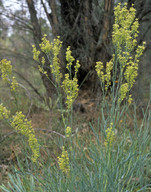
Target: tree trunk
{"points": [[37, 40], [88, 40]]}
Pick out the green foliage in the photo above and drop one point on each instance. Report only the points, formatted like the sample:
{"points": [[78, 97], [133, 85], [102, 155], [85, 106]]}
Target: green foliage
{"points": [[126, 167]]}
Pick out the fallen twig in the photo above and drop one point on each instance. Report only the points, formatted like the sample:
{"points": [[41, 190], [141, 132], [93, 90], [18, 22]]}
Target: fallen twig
{"points": [[39, 129]]}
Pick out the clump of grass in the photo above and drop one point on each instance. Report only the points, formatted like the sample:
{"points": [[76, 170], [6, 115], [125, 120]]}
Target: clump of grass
{"points": [[112, 158]]}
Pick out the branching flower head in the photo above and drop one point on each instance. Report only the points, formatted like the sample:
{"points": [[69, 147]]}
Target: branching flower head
{"points": [[69, 58], [127, 52], [125, 28], [45, 45], [55, 66], [23, 126], [77, 66], [70, 85], [125, 32]]}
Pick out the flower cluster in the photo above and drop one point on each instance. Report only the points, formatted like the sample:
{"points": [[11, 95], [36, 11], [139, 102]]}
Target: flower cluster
{"points": [[127, 52], [105, 77], [110, 137], [23, 126], [45, 45], [109, 67], [125, 29], [55, 66], [36, 53], [69, 58], [68, 132], [51, 50], [123, 92], [6, 70], [4, 113], [70, 85], [14, 84], [63, 161], [125, 32], [99, 69]]}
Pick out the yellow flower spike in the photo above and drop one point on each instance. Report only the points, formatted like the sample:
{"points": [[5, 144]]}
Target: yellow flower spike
{"points": [[110, 137], [109, 67], [128, 30], [123, 92], [6, 70], [45, 45], [69, 58], [70, 87], [131, 74], [36, 54], [14, 84], [68, 132], [23, 126], [77, 66], [63, 162], [43, 61], [99, 70], [48, 48], [4, 113], [130, 99], [55, 66]]}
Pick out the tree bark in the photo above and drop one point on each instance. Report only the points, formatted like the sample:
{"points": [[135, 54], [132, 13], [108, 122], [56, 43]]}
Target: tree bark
{"points": [[37, 35]]}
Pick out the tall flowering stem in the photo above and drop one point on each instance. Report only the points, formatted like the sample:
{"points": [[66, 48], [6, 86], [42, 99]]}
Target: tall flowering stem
{"points": [[70, 85], [126, 56], [124, 37]]}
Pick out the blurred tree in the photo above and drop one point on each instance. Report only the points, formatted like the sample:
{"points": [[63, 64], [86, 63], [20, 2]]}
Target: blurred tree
{"points": [[3, 23]]}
